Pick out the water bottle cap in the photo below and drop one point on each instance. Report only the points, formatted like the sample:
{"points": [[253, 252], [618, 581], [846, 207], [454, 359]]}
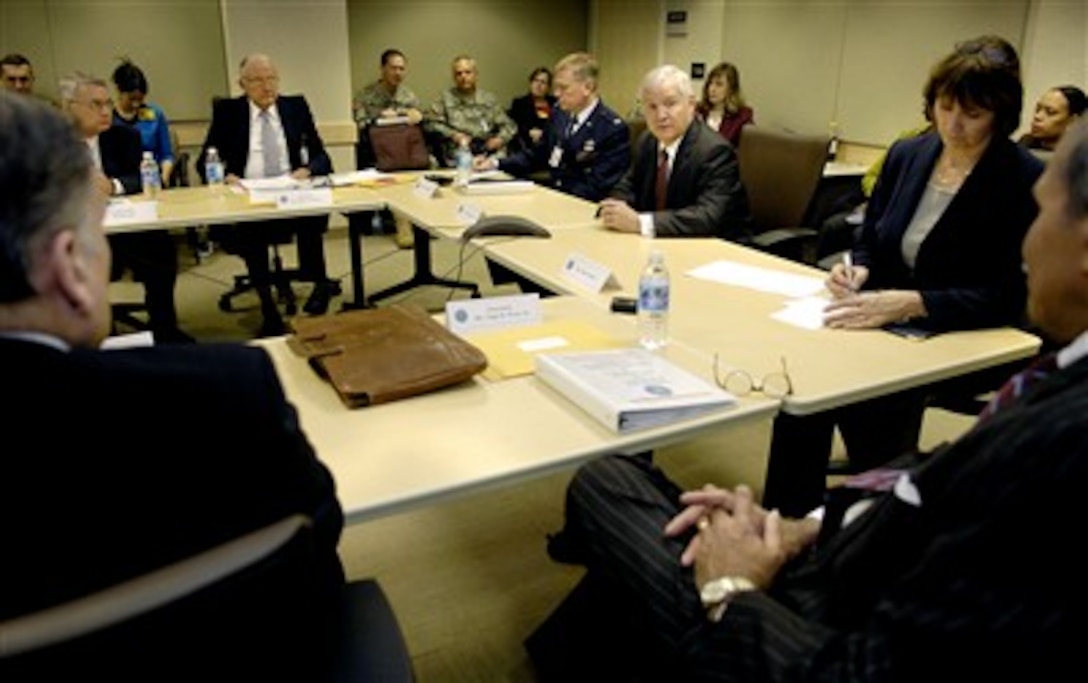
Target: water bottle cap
{"points": [[148, 155]]}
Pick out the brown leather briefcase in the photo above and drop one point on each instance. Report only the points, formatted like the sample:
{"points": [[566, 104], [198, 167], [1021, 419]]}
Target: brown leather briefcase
{"points": [[383, 354], [399, 147]]}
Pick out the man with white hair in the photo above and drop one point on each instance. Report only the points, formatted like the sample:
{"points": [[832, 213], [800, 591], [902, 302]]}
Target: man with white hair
{"points": [[685, 180], [115, 152]]}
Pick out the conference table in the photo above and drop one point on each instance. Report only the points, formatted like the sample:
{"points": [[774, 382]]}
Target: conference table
{"points": [[181, 207], [828, 368], [489, 432], [479, 434]]}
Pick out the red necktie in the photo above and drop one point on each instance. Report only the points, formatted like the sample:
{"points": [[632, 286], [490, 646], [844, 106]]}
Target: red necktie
{"points": [[1018, 384], [661, 186]]}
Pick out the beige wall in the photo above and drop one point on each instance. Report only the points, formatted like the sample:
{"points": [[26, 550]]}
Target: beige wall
{"points": [[804, 63], [859, 63], [179, 45], [508, 39]]}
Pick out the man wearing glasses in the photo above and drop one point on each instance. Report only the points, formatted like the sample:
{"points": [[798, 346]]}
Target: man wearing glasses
{"points": [[115, 152], [263, 134]]}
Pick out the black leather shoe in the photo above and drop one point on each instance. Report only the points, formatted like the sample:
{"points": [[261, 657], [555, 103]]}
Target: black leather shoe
{"points": [[318, 303], [561, 548]]}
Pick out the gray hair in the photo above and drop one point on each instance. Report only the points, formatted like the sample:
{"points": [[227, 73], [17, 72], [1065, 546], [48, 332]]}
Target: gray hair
{"points": [[45, 171], [70, 85], [1075, 171], [665, 76]]}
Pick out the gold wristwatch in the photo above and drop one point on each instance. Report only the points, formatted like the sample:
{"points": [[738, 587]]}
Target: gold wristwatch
{"points": [[717, 593]]}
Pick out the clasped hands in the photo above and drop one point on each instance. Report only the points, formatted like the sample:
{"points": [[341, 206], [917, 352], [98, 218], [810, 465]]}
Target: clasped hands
{"points": [[737, 537], [854, 309], [619, 216]]}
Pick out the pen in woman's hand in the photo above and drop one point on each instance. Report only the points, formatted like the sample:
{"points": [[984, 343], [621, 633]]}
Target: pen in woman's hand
{"points": [[848, 270]]}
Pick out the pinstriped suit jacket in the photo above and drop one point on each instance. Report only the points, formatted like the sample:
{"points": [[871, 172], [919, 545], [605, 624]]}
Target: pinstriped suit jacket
{"points": [[982, 581]]}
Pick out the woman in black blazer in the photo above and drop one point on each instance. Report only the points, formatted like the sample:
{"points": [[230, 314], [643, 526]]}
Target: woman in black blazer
{"points": [[533, 110], [940, 246]]}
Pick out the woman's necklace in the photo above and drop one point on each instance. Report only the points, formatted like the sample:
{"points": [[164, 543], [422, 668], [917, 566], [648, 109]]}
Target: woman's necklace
{"points": [[951, 173]]}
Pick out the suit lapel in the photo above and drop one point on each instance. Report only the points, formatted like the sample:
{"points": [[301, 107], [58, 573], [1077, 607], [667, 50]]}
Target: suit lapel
{"points": [[679, 178]]}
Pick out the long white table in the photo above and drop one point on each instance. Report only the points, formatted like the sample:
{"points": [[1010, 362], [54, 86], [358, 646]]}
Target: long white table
{"points": [[477, 435]]}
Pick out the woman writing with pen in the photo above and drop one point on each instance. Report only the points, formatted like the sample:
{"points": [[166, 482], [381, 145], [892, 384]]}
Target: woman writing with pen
{"points": [[940, 246]]}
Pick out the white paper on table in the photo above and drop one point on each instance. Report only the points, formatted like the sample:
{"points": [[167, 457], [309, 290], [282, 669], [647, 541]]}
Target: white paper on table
{"points": [[807, 312], [761, 279], [356, 177], [281, 182]]}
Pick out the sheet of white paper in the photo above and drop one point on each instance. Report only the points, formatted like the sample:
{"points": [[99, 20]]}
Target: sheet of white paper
{"points": [[353, 177], [807, 312], [283, 182], [761, 279], [128, 341]]}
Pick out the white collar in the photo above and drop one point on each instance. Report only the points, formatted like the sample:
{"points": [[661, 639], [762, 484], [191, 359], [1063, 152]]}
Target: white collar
{"points": [[581, 117], [43, 338], [255, 112], [1076, 350]]}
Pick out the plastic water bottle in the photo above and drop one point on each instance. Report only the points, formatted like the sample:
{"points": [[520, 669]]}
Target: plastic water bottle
{"points": [[150, 180], [463, 160], [653, 303], [213, 170]]}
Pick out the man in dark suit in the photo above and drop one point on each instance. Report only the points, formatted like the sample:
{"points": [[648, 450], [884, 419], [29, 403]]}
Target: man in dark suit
{"points": [[116, 153], [685, 180], [587, 149], [955, 565], [82, 514], [239, 129]]}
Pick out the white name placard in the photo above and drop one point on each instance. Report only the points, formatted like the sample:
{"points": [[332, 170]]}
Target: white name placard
{"points": [[493, 313], [297, 199], [125, 212], [425, 189], [587, 273], [469, 213]]}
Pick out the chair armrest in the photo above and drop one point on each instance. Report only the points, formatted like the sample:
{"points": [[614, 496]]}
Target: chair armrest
{"points": [[797, 244], [772, 238]]}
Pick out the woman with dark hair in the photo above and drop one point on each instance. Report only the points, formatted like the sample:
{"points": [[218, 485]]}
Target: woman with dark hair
{"points": [[533, 110], [939, 248], [723, 107], [133, 109], [1055, 111]]}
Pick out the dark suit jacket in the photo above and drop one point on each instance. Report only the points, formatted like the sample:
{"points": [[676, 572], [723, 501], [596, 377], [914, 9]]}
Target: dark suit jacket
{"points": [[121, 151], [151, 455], [594, 158], [705, 196], [523, 112], [229, 133], [979, 582], [968, 269]]}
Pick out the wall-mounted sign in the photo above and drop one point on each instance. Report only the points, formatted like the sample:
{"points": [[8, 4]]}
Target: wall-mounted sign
{"points": [[676, 23]]}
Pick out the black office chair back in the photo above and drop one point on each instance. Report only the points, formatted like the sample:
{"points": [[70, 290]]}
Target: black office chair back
{"points": [[216, 616], [781, 171]]}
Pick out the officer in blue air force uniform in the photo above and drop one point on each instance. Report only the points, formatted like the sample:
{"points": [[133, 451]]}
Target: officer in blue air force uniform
{"points": [[587, 148]]}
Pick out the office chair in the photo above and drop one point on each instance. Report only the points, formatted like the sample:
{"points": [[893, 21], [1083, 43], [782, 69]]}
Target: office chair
{"points": [[281, 276], [172, 623], [780, 171]]}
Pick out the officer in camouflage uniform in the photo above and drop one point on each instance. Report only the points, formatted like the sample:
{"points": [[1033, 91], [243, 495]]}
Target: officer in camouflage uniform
{"points": [[465, 112], [387, 96]]}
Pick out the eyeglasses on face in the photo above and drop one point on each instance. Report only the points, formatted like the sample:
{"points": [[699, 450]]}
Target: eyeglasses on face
{"points": [[740, 383]]}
